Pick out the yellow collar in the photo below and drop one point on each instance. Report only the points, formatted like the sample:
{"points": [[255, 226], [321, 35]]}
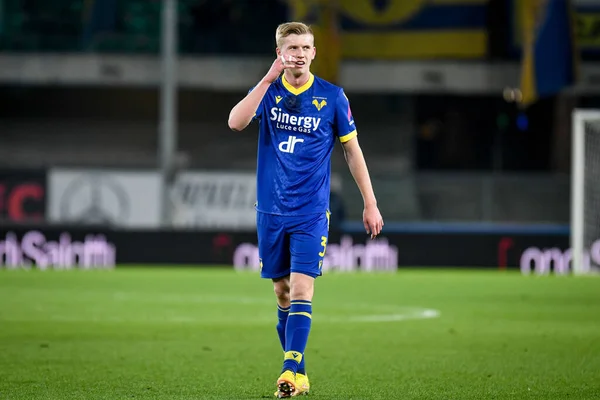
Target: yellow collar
{"points": [[301, 89]]}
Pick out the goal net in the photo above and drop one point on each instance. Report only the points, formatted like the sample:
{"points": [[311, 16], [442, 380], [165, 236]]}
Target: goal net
{"points": [[585, 192]]}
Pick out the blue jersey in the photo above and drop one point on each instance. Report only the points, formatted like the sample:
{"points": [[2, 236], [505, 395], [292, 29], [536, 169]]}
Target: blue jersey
{"points": [[298, 128]]}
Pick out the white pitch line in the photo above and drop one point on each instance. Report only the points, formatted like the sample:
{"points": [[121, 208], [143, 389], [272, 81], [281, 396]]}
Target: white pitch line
{"points": [[402, 314], [423, 314]]}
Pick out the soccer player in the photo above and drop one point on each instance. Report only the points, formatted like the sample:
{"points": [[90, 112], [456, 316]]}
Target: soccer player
{"points": [[300, 117]]}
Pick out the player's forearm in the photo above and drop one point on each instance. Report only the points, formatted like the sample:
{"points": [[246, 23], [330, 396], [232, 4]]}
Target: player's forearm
{"points": [[243, 112], [360, 173]]}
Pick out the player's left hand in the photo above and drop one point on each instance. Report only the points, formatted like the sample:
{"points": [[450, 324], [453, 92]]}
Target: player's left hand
{"points": [[372, 220]]}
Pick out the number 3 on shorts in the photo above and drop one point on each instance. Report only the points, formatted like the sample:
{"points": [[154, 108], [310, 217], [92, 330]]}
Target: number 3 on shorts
{"points": [[324, 244]]}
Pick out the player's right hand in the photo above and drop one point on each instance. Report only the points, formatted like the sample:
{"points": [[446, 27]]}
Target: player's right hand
{"points": [[279, 65]]}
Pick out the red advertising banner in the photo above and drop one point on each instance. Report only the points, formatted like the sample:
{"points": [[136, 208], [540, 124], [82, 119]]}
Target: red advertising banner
{"points": [[22, 195]]}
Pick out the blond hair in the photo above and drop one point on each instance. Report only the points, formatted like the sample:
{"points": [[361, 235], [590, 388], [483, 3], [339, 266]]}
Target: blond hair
{"points": [[291, 28]]}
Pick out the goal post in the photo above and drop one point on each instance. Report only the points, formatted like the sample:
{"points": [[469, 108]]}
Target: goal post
{"points": [[585, 191]]}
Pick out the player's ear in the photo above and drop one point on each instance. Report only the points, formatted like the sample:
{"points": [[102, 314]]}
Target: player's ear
{"points": [[278, 51]]}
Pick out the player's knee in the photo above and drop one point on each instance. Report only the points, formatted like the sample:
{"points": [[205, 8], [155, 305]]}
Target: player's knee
{"points": [[302, 289], [283, 296], [282, 291]]}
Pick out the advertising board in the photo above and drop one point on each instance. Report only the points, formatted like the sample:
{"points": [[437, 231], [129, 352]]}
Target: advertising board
{"points": [[22, 195], [218, 200], [55, 249], [61, 247], [105, 197]]}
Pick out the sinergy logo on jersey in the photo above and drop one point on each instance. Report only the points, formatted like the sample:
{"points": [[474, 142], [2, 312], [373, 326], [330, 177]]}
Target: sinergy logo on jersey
{"points": [[287, 122]]}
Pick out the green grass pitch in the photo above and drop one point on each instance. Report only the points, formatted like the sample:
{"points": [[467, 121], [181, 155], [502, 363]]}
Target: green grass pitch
{"points": [[196, 333]]}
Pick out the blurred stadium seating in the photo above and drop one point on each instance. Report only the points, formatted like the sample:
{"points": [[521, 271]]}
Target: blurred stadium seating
{"points": [[133, 26]]}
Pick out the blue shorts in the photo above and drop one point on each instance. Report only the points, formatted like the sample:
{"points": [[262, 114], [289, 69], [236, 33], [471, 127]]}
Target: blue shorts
{"points": [[291, 244]]}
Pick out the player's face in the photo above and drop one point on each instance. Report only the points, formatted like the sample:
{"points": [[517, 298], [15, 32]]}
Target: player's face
{"points": [[302, 48]]}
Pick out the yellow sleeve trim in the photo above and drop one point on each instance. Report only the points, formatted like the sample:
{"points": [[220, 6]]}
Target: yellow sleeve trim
{"points": [[349, 136]]}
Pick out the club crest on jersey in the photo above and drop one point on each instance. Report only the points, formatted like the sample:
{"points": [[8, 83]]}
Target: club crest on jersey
{"points": [[278, 99], [319, 104]]}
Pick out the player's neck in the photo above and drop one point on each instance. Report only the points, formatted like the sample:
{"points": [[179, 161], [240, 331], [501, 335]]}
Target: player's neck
{"points": [[296, 81]]}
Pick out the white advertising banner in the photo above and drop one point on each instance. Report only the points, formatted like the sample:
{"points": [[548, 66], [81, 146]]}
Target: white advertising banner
{"points": [[105, 197], [214, 200]]}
